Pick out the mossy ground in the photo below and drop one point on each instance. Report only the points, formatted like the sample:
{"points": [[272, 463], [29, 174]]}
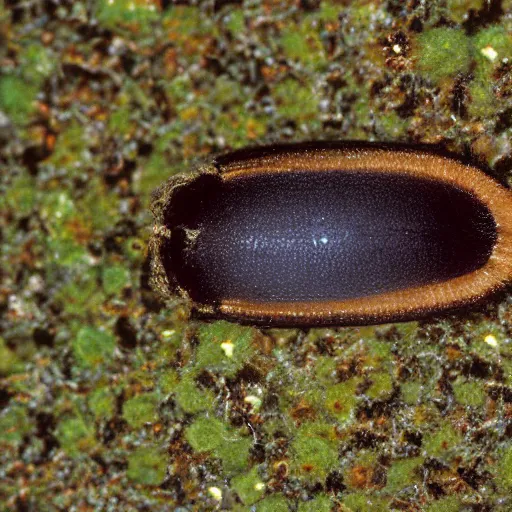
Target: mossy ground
{"points": [[111, 400]]}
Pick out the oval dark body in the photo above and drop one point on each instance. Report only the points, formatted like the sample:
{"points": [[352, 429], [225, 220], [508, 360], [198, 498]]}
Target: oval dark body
{"points": [[308, 236], [300, 235]]}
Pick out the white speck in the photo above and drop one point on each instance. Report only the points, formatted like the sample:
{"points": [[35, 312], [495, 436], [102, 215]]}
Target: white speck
{"points": [[228, 348], [314, 242], [491, 340], [489, 53], [15, 305], [36, 283], [259, 486], [167, 333], [215, 493], [324, 240], [253, 400], [397, 49]]}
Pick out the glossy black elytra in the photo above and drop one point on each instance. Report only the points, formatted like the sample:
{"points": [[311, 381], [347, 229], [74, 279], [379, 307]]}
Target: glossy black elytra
{"points": [[332, 234]]}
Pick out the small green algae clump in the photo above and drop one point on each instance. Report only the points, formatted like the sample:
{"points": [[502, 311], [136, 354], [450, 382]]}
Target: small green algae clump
{"points": [[442, 442], [102, 404], [93, 346], [17, 97], [411, 391], [147, 466], [212, 435], [314, 450], [491, 46], [8, 359], [249, 487], [296, 100], [115, 278], [302, 44], [341, 400], [75, 436], [443, 52], [234, 453], [190, 398], [447, 504], [140, 410], [381, 386], [206, 434], [470, 393], [504, 476], [128, 13], [362, 502], [14, 425], [321, 503], [403, 473], [275, 503], [224, 347]]}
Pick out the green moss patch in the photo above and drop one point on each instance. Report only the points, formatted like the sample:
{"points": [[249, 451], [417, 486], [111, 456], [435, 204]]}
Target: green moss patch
{"points": [[192, 399], [442, 442], [116, 13], [362, 502], [295, 100], [381, 385], [275, 503], [403, 473], [314, 451], [17, 98], [115, 278], [141, 409], [447, 504], [443, 52], [249, 487], [492, 45], [234, 453], [75, 436], [207, 434], [147, 466], [224, 347], [321, 503], [22, 195], [341, 400], [9, 362], [504, 474], [14, 425], [469, 392], [102, 403], [302, 44], [93, 347]]}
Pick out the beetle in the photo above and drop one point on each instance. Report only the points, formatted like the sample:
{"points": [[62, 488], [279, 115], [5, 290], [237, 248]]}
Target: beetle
{"points": [[331, 233]]}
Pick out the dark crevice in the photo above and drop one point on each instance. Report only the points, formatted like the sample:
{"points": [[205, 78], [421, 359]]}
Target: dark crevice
{"points": [[45, 425], [126, 333], [491, 12], [43, 337]]}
